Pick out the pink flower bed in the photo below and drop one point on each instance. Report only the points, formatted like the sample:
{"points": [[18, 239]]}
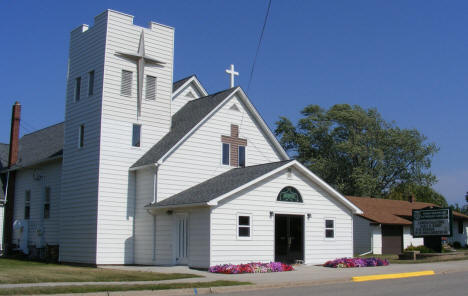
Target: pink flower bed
{"points": [[253, 267], [356, 262]]}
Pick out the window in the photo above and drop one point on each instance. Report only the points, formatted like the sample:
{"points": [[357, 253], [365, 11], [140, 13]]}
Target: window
{"points": [[136, 136], [150, 87], [243, 226], [242, 156], [81, 136], [126, 87], [460, 226], [77, 89], [329, 228], [27, 204], [90, 83], [47, 203], [289, 194], [226, 153]]}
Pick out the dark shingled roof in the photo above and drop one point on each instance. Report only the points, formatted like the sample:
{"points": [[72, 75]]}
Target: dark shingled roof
{"points": [[4, 155], [181, 82], [40, 145], [221, 184], [182, 122]]}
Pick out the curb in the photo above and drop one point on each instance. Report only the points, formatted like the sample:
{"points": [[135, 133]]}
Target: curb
{"points": [[391, 276]]}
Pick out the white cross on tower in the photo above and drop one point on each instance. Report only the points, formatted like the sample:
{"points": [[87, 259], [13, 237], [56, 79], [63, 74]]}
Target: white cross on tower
{"points": [[232, 73], [141, 60]]}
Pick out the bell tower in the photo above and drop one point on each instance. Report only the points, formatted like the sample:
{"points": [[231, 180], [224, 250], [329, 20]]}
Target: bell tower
{"points": [[118, 101]]}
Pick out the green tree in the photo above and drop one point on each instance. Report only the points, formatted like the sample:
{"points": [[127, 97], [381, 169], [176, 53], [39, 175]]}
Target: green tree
{"points": [[357, 151], [421, 194]]}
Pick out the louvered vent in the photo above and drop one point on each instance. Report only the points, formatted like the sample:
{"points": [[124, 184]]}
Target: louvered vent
{"points": [[150, 87], [126, 88]]}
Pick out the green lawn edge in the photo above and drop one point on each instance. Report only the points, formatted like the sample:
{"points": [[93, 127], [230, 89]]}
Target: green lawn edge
{"points": [[115, 288]]}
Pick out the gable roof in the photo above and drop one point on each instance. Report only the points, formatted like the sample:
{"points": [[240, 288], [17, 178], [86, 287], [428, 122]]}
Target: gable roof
{"points": [[219, 185], [210, 192], [41, 145], [176, 85], [389, 211], [180, 85], [182, 122]]}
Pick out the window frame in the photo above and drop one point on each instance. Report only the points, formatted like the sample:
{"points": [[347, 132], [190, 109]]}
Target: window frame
{"points": [[77, 89], [27, 204], [129, 95], [81, 132], [301, 200], [155, 87], [329, 228], [239, 155], [91, 78], [228, 154], [46, 205], [139, 135], [238, 226]]}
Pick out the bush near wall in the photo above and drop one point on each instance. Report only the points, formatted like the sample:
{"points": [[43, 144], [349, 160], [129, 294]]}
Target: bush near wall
{"points": [[253, 267]]}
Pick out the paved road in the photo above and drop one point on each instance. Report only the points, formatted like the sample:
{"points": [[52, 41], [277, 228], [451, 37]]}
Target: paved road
{"points": [[453, 284]]}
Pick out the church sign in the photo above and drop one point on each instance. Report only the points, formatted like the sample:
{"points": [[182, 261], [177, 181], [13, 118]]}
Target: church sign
{"points": [[432, 222]]}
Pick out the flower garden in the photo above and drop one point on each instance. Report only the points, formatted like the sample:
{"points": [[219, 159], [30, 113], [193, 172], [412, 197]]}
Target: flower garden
{"points": [[253, 267], [356, 262]]}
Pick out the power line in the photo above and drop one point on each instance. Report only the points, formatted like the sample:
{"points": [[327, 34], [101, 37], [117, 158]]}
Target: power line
{"points": [[259, 44]]}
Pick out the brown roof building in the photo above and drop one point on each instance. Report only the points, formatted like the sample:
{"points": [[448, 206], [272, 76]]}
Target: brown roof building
{"points": [[384, 227]]}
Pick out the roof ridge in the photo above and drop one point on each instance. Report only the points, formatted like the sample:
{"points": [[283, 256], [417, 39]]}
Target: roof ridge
{"points": [[36, 131]]}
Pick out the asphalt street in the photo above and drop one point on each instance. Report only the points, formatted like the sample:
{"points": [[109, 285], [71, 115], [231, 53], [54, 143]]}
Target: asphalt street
{"points": [[453, 284]]}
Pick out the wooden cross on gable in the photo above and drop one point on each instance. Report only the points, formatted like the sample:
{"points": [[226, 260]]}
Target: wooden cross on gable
{"points": [[234, 142]]}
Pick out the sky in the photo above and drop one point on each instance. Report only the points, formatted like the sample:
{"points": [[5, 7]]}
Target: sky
{"points": [[408, 59]]}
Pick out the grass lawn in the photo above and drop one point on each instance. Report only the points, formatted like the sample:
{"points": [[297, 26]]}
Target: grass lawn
{"points": [[113, 288], [18, 271]]}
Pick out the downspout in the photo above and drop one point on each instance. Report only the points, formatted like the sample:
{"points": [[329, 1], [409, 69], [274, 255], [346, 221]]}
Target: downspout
{"points": [[155, 190]]}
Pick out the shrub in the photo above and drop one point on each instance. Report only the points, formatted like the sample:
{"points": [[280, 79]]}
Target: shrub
{"points": [[422, 249], [356, 262], [254, 267], [457, 245]]}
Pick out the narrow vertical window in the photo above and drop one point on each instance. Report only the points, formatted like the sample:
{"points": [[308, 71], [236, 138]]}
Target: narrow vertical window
{"points": [[242, 156], [77, 89], [90, 83], [126, 87], [243, 226], [329, 228], [136, 137], [81, 136], [460, 226], [226, 153], [47, 203], [27, 204], [150, 87]]}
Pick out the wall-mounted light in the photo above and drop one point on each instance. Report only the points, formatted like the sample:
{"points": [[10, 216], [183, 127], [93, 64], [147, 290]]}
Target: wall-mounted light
{"points": [[272, 214], [309, 215]]}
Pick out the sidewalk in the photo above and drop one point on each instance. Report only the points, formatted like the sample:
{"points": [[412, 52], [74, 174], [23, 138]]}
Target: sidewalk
{"points": [[303, 275]]}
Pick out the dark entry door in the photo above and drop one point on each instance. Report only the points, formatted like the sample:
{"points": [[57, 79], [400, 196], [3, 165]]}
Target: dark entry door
{"points": [[289, 238], [392, 239]]}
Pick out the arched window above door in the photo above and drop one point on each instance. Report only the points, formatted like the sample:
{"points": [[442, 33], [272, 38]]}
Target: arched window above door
{"points": [[289, 194]]}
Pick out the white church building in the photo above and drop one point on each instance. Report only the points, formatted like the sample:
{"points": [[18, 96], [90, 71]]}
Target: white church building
{"points": [[149, 171]]}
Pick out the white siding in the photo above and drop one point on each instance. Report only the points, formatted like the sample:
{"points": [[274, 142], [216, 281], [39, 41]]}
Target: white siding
{"points": [[199, 238], [376, 239], [50, 177], [182, 97], [408, 238], [2, 213], [119, 113], [81, 165], [258, 201], [459, 237], [361, 235], [199, 157]]}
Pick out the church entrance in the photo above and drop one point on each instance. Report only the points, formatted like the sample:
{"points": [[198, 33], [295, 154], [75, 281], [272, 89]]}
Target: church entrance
{"points": [[289, 238]]}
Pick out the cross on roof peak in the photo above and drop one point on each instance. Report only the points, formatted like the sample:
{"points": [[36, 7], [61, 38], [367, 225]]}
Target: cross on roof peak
{"points": [[232, 73]]}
